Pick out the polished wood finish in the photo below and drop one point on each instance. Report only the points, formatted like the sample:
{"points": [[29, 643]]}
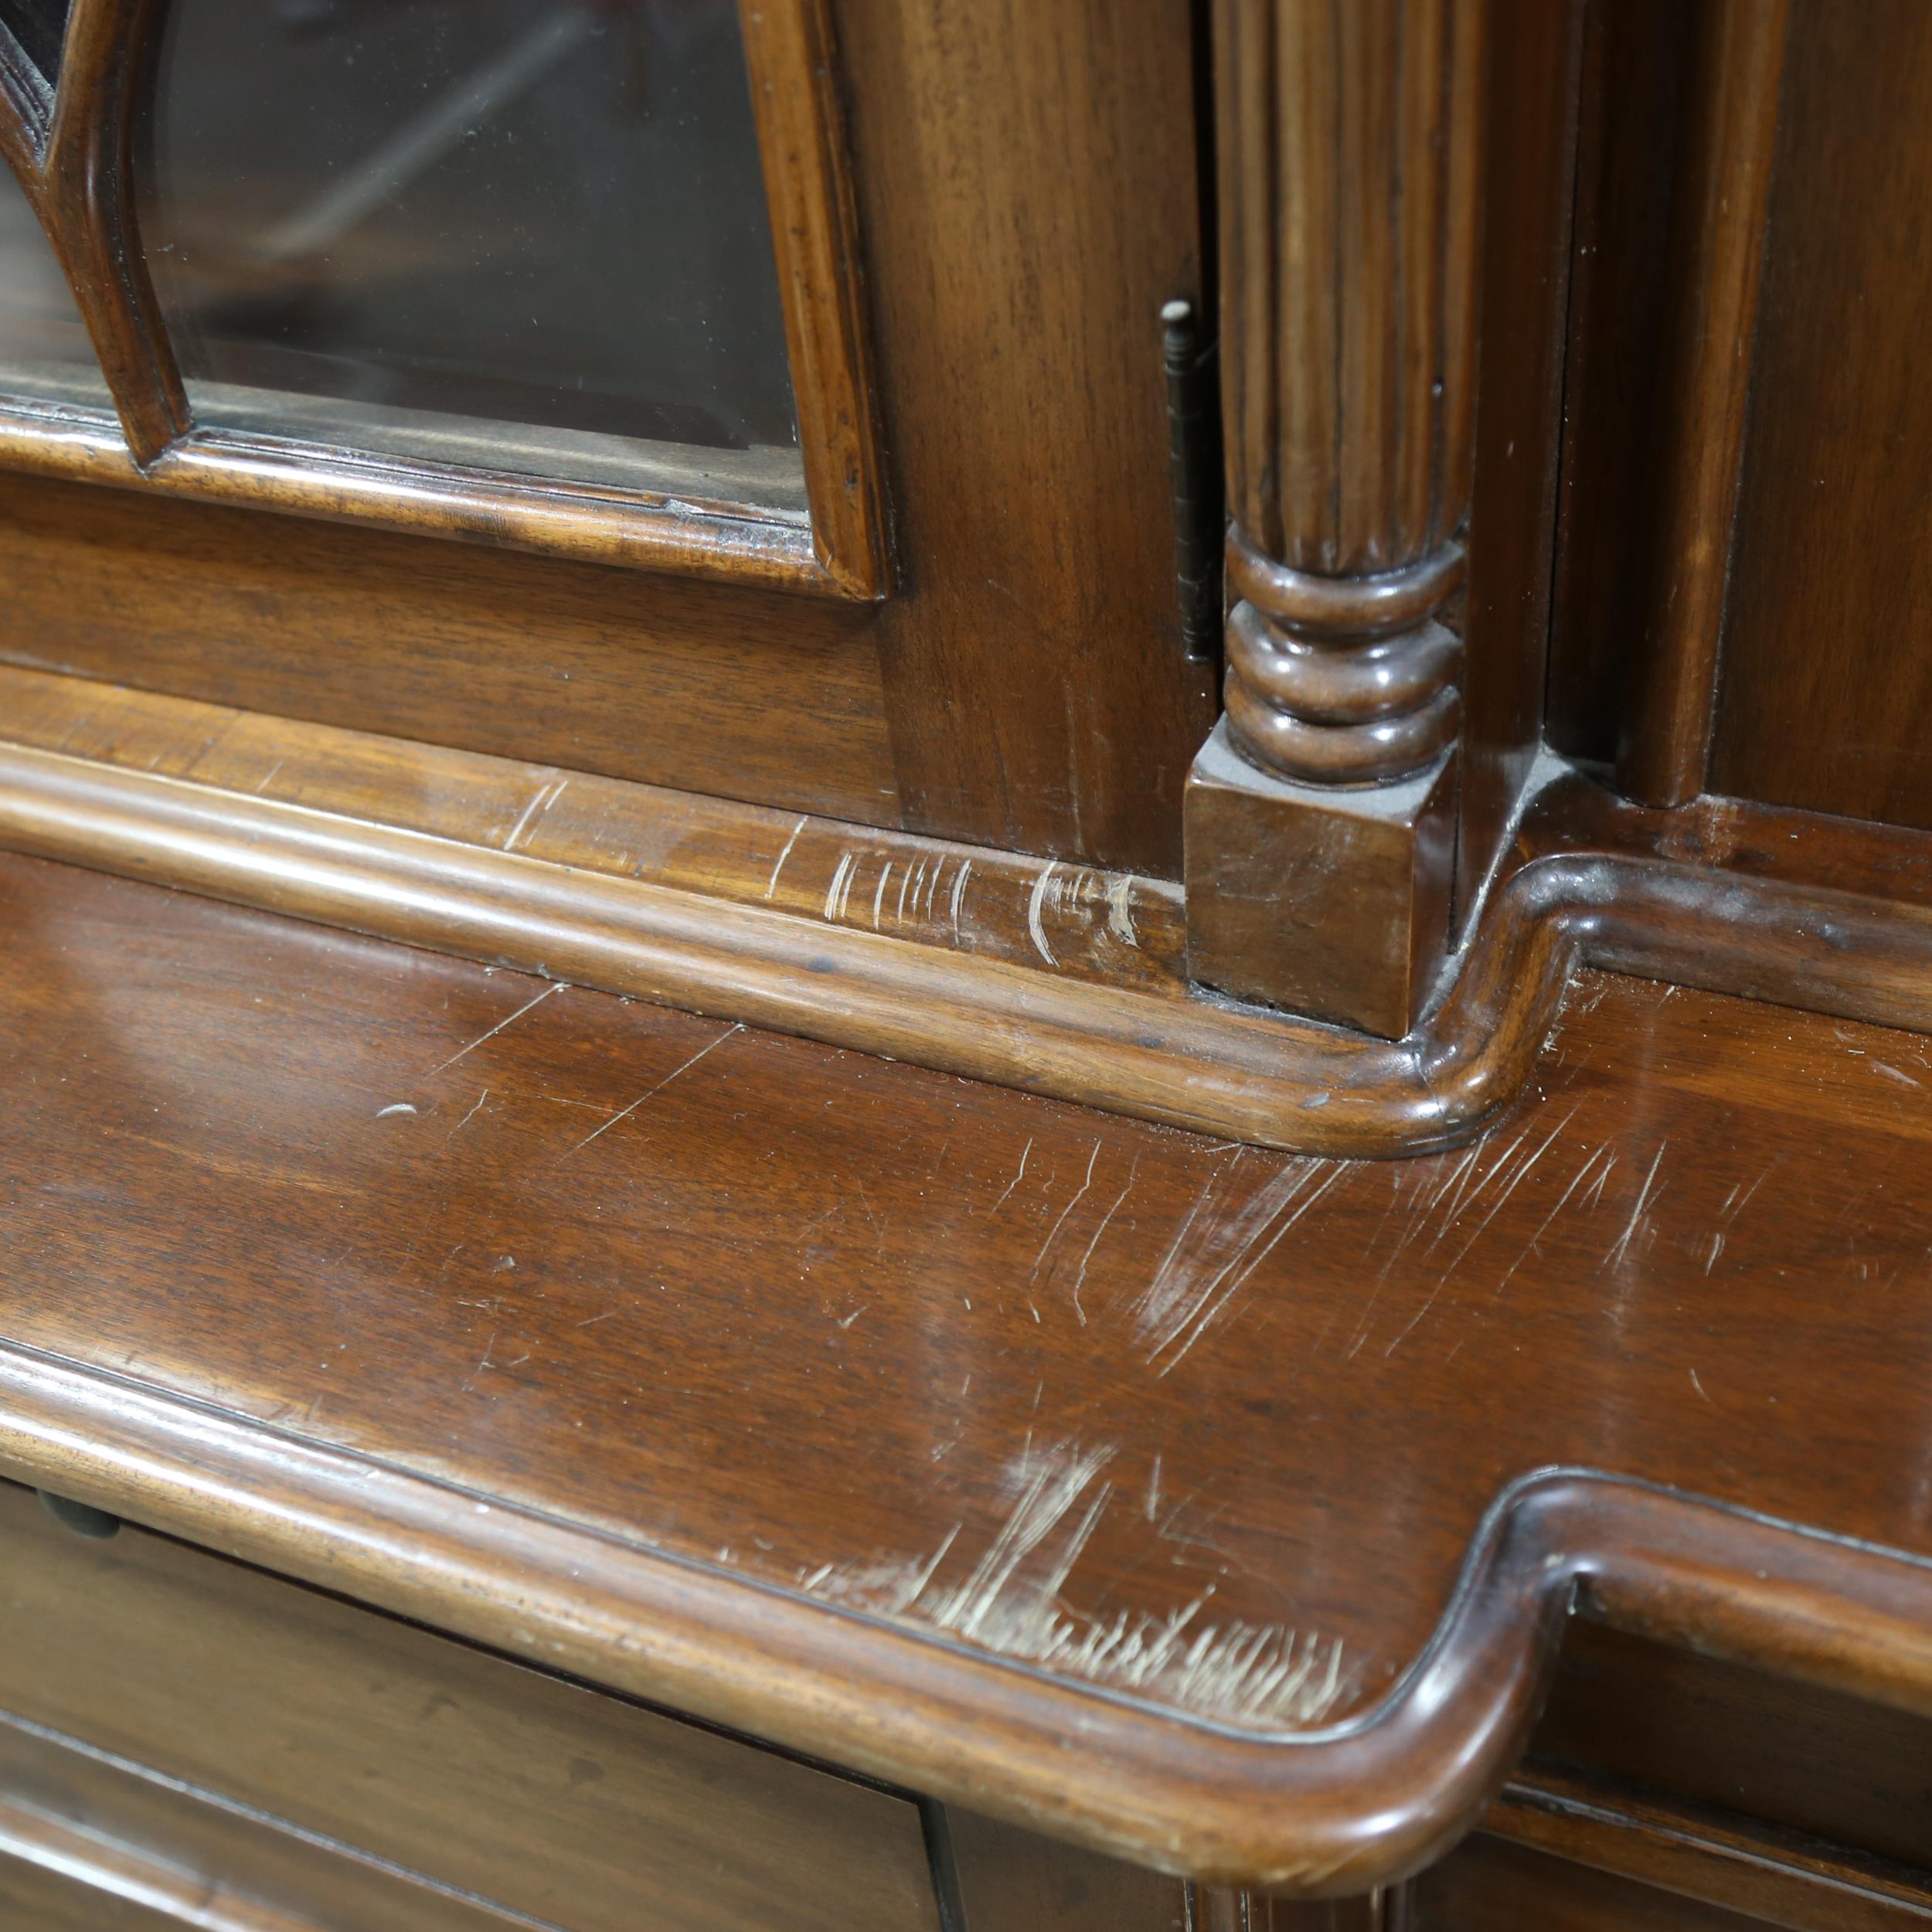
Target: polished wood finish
{"points": [[1028, 973], [378, 1319], [1717, 250], [1824, 680], [1349, 146], [1307, 898], [705, 687], [1765, 1875], [1528, 175], [1027, 193], [465, 1770], [71, 146]]}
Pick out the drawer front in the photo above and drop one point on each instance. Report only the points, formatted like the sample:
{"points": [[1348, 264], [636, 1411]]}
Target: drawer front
{"points": [[579, 1809]]}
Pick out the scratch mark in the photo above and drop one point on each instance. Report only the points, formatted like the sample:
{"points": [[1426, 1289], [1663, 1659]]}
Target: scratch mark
{"points": [[841, 879], [1285, 1206], [772, 885], [1119, 910], [396, 1106], [1717, 1248], [1039, 1260], [905, 879], [1153, 1490], [958, 894], [591, 1321], [546, 796], [273, 770], [1562, 1201], [1035, 900], [851, 1318], [879, 894], [1700, 1387], [1010, 1602], [1080, 1279], [1615, 1257], [466, 1118], [1024, 1153], [1892, 1073], [556, 987], [684, 1067]]}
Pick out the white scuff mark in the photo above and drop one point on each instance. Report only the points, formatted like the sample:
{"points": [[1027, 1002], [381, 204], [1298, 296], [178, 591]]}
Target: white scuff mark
{"points": [[905, 879], [1024, 1153], [841, 880], [1036, 904], [546, 797], [1496, 1207], [1700, 1387], [1079, 1277], [1562, 1201], [879, 894], [1119, 910], [1717, 1248], [1892, 1073], [1011, 1603], [772, 885], [556, 987], [1046, 1246], [958, 895], [1195, 1282], [1154, 1490], [1621, 1247], [466, 1118], [395, 1107], [684, 1067], [847, 1322]]}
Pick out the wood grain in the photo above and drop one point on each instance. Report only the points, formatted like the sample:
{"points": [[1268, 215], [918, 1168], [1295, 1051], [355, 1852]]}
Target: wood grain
{"points": [[1348, 144], [1026, 178], [1825, 685], [939, 1300], [791, 50], [463, 1770], [706, 687], [1716, 245]]}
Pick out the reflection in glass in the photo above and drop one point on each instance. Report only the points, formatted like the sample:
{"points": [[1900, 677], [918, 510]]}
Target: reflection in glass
{"points": [[37, 26], [525, 235], [44, 350]]}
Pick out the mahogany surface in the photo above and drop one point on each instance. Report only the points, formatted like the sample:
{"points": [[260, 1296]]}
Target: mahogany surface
{"points": [[1824, 687], [824, 1325]]}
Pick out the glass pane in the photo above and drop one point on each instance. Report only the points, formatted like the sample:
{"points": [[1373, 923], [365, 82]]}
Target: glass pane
{"points": [[527, 235], [44, 350]]}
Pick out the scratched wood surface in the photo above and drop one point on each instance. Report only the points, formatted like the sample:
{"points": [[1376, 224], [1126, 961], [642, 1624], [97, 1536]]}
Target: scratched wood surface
{"points": [[1205, 1425]]}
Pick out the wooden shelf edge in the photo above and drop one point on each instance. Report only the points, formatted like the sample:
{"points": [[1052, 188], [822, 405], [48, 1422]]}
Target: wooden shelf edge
{"points": [[1592, 883], [1327, 1812], [546, 518]]}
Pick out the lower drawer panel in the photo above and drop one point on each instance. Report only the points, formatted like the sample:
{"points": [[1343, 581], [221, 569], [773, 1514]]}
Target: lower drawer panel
{"points": [[579, 1809]]}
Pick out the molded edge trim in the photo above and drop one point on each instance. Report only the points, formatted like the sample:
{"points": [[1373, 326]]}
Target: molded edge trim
{"points": [[1192, 1063], [1327, 1812]]}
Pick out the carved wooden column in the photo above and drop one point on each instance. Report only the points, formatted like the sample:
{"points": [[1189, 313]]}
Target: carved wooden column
{"points": [[1320, 814]]}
